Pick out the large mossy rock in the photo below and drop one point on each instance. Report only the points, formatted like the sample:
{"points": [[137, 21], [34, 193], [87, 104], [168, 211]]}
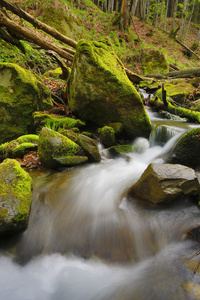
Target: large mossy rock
{"points": [[15, 197], [55, 150], [99, 90], [20, 95], [187, 149], [163, 183], [154, 61]]}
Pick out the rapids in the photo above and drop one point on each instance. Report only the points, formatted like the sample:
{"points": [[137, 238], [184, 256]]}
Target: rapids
{"points": [[86, 241]]}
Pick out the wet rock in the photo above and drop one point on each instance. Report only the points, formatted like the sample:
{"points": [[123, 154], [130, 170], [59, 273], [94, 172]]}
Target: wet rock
{"points": [[21, 94], [90, 148], [99, 90], [163, 183], [15, 197], [187, 149]]}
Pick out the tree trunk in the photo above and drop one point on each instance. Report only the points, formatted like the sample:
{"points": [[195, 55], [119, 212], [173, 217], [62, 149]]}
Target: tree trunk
{"points": [[156, 14], [161, 13], [177, 74], [183, 20], [166, 12], [190, 19], [148, 8], [38, 24], [174, 14], [133, 8], [32, 37]]}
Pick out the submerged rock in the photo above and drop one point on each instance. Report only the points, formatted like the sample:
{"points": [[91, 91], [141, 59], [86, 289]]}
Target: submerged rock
{"points": [[163, 183], [187, 149], [99, 90], [56, 150], [15, 197], [21, 93]]}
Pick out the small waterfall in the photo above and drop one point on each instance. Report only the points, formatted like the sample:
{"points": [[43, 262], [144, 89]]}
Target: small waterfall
{"points": [[161, 134]]}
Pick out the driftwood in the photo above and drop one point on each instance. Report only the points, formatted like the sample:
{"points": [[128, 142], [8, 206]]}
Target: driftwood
{"points": [[176, 74]]}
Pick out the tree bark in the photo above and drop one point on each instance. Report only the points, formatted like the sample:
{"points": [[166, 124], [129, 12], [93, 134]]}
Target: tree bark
{"points": [[183, 20], [38, 24], [165, 24], [32, 37], [174, 14], [190, 19], [177, 74]]}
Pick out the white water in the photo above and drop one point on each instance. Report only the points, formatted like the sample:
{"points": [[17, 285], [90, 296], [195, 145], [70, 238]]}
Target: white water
{"points": [[85, 241]]}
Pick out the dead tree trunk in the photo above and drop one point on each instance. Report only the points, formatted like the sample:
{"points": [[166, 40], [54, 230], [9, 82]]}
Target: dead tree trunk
{"points": [[30, 36], [38, 24]]}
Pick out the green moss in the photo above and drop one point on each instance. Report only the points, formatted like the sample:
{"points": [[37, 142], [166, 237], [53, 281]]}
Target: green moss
{"points": [[21, 94], [28, 138], [107, 136], [55, 122], [15, 195], [190, 115], [20, 146], [69, 161], [177, 90], [54, 73], [154, 62]]}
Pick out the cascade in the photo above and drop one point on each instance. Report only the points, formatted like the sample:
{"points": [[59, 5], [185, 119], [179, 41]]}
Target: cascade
{"points": [[86, 241]]}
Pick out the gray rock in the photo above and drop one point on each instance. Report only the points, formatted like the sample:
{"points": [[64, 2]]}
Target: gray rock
{"points": [[163, 183]]}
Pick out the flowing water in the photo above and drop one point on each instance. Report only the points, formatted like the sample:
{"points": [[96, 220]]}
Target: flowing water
{"points": [[87, 241]]}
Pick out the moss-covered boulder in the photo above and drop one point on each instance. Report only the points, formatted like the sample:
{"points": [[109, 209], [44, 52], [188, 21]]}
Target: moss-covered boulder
{"points": [[62, 18], [19, 147], [177, 90], [99, 90], [154, 61], [21, 93], [107, 136], [90, 148], [55, 122], [187, 149], [56, 150], [164, 183], [15, 197]]}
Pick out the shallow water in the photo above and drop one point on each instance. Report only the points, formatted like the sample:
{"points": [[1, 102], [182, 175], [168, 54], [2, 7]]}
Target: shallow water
{"points": [[86, 241]]}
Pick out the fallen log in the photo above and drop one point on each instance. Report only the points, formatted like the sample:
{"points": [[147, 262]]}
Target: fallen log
{"points": [[32, 37], [38, 24], [176, 74]]}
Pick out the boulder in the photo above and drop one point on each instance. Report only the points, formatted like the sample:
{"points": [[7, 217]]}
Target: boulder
{"points": [[15, 197], [90, 148], [55, 150], [154, 61], [99, 90], [163, 183], [187, 149], [21, 93]]}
